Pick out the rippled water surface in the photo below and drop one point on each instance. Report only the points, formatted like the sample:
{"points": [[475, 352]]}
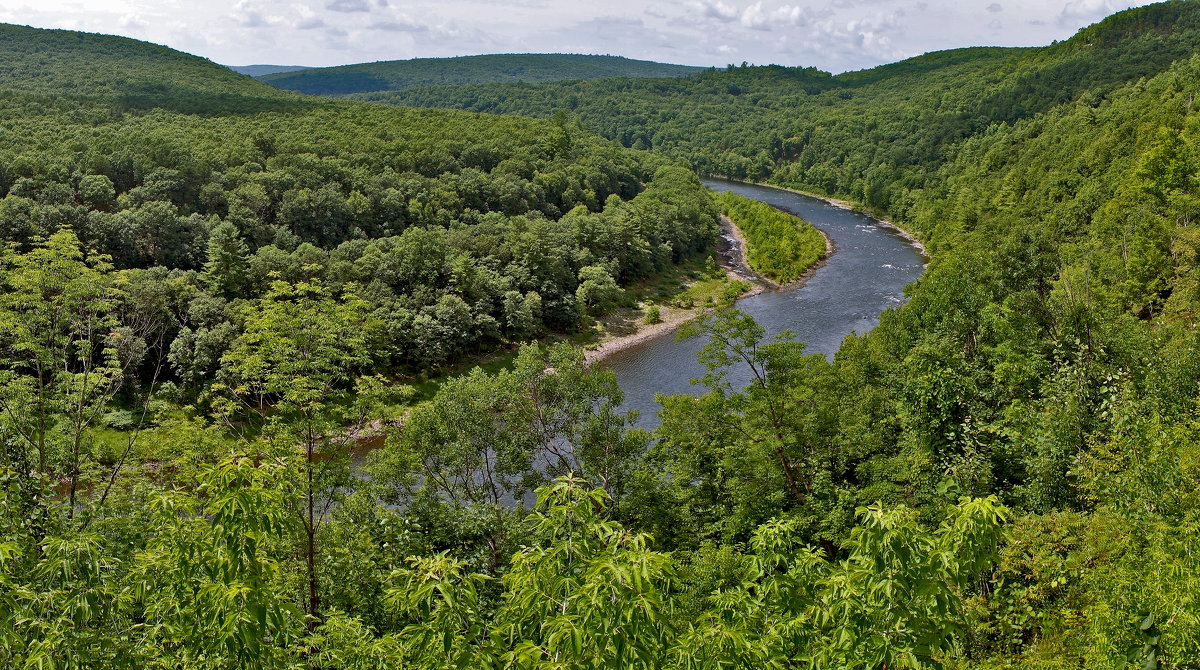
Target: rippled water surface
{"points": [[866, 275]]}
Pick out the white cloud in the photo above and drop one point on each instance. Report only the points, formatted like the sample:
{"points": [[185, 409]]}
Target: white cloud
{"points": [[715, 9], [794, 15], [754, 17], [833, 35], [1080, 12], [784, 16]]}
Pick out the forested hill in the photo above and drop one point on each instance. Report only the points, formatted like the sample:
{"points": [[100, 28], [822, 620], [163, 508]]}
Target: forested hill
{"points": [[871, 135], [123, 73], [403, 74], [92, 138]]}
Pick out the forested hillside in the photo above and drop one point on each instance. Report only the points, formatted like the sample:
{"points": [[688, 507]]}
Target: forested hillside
{"points": [[63, 68], [873, 135], [452, 204], [207, 319], [402, 74]]}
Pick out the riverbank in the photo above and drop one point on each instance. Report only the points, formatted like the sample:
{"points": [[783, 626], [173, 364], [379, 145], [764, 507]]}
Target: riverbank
{"points": [[671, 320], [736, 265], [732, 259], [864, 278], [737, 268]]}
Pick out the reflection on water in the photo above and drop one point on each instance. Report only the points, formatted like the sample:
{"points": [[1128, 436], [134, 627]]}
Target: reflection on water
{"points": [[866, 275]]}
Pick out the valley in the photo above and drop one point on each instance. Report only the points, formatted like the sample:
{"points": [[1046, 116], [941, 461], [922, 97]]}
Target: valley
{"points": [[977, 448]]}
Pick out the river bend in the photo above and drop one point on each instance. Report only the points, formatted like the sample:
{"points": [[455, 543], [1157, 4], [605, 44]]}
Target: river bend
{"points": [[865, 276]]}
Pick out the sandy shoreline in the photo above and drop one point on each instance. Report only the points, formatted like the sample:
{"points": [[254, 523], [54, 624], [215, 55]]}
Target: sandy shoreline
{"points": [[733, 260], [737, 267], [671, 321]]}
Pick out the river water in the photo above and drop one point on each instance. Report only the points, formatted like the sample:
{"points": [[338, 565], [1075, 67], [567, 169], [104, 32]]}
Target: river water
{"points": [[865, 276]]}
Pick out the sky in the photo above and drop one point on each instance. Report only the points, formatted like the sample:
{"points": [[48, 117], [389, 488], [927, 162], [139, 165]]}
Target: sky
{"points": [[833, 35]]}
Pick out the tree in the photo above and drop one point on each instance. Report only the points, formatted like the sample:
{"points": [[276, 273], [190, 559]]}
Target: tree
{"points": [[753, 450], [896, 601], [320, 215], [485, 441], [61, 352], [492, 438], [298, 350], [96, 191], [228, 261], [597, 291], [522, 314], [585, 594], [211, 579]]}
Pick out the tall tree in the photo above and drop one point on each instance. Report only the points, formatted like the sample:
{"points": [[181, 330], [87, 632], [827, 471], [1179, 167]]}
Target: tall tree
{"points": [[298, 352], [228, 261], [61, 360], [758, 449]]}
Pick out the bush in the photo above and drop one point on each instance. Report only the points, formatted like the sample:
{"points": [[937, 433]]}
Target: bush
{"points": [[653, 315]]}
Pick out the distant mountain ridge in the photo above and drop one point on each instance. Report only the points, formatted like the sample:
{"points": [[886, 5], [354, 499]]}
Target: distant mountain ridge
{"points": [[263, 70], [531, 68]]}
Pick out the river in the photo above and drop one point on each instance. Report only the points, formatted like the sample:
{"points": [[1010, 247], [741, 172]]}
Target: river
{"points": [[865, 276]]}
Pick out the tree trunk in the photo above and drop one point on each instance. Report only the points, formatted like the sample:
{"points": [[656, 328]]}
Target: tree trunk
{"points": [[314, 597]]}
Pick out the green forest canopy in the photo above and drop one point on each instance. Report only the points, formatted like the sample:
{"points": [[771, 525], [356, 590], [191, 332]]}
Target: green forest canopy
{"points": [[1003, 473], [463, 232]]}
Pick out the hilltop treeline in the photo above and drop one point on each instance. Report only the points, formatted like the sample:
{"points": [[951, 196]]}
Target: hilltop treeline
{"points": [[402, 74]]}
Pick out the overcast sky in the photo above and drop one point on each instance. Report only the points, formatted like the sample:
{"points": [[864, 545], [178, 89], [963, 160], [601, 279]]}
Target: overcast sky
{"points": [[834, 35]]}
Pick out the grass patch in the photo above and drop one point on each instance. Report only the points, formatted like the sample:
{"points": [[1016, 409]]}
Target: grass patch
{"points": [[689, 284]]}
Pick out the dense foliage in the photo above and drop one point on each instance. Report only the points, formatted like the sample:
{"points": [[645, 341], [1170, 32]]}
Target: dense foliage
{"points": [[780, 246], [462, 233], [401, 74], [1003, 473]]}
